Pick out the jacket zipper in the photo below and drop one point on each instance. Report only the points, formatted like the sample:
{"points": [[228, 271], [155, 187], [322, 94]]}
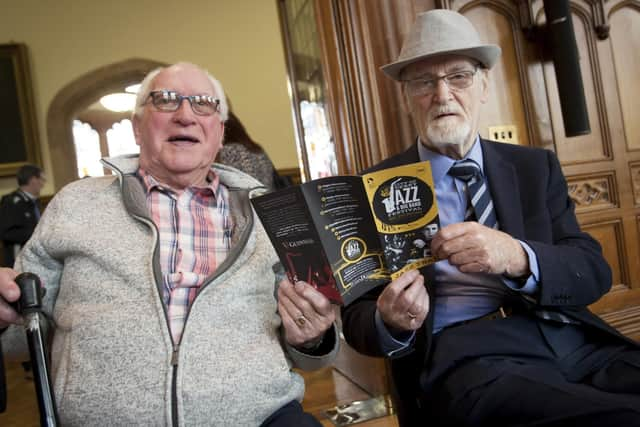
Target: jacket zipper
{"points": [[176, 347], [174, 384], [221, 269]]}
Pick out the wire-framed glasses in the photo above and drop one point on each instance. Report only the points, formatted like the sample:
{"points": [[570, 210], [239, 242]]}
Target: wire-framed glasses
{"points": [[457, 80], [169, 101]]}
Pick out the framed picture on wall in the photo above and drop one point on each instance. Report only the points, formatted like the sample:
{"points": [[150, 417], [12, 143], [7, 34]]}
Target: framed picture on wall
{"points": [[18, 127]]}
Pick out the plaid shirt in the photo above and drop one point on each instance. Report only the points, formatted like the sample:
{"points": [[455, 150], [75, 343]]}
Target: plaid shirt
{"points": [[195, 233]]}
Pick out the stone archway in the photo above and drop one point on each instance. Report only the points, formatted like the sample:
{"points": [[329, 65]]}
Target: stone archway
{"points": [[74, 98]]}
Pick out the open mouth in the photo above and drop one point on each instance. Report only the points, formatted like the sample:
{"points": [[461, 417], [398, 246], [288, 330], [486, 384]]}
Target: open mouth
{"points": [[183, 139], [442, 116]]}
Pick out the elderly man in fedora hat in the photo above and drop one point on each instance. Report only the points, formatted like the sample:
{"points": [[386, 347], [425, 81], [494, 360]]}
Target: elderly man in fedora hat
{"points": [[497, 331]]}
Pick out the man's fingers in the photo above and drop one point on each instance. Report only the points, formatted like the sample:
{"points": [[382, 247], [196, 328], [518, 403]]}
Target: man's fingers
{"points": [[415, 290], [313, 297], [398, 286], [479, 256], [9, 290], [302, 322], [474, 267], [285, 304], [447, 233], [404, 294], [456, 245], [469, 236], [8, 315], [303, 301]]}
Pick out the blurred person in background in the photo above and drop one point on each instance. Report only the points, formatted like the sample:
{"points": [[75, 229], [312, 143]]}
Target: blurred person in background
{"points": [[20, 211]]}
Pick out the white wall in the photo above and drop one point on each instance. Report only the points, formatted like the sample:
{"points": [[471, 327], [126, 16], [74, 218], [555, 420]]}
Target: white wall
{"points": [[238, 41]]}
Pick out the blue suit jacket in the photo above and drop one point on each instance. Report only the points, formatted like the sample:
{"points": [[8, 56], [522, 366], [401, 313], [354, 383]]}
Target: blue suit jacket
{"points": [[532, 204]]}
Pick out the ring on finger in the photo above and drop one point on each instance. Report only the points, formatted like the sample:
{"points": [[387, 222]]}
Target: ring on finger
{"points": [[301, 320]]}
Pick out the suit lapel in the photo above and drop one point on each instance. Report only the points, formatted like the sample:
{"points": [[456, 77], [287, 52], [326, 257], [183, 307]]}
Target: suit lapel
{"points": [[410, 155], [505, 193]]}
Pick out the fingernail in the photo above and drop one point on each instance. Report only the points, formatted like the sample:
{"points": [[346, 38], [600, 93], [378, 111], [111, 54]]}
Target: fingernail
{"points": [[13, 293]]}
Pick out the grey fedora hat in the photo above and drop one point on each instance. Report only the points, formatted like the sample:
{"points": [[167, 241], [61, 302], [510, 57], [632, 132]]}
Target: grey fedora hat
{"points": [[439, 32]]}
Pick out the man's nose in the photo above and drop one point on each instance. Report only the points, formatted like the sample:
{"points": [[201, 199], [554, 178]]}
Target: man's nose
{"points": [[184, 114], [442, 91]]}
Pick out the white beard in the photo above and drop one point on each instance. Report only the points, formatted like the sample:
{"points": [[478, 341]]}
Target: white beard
{"points": [[450, 134]]}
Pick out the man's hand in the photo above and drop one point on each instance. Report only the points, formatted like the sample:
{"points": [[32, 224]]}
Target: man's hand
{"points": [[306, 313], [475, 248], [9, 292], [404, 303]]}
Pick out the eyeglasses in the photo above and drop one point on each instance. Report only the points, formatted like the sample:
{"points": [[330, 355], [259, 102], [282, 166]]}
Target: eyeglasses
{"points": [[455, 81], [170, 101]]}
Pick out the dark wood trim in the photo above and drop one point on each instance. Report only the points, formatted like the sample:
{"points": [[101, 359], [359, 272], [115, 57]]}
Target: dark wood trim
{"points": [[291, 77], [627, 321], [367, 109]]}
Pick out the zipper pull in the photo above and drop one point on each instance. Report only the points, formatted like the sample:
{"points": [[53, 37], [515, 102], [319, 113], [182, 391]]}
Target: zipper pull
{"points": [[174, 355]]}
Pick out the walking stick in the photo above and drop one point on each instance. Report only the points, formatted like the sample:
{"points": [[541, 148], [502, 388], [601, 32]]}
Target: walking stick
{"points": [[30, 306], [3, 384]]}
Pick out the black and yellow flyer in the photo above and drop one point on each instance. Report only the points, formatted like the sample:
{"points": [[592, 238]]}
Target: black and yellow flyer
{"points": [[346, 235]]}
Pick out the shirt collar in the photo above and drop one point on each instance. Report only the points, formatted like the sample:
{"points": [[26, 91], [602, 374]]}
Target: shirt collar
{"points": [[210, 189], [28, 195], [440, 164]]}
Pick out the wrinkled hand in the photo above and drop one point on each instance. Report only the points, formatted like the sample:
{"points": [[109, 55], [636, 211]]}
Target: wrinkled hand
{"points": [[475, 248], [404, 303], [306, 313], [9, 292]]}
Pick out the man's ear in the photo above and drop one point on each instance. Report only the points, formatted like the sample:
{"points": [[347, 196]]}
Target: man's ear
{"points": [[406, 100], [484, 82], [135, 123]]}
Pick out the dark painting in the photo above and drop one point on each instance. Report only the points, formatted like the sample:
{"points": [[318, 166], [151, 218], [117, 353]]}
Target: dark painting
{"points": [[18, 129]]}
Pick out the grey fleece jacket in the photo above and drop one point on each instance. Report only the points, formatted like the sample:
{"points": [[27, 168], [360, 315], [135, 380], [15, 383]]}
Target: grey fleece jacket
{"points": [[113, 359]]}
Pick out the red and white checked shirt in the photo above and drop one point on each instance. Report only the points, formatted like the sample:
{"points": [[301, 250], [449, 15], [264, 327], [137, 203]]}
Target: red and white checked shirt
{"points": [[195, 233]]}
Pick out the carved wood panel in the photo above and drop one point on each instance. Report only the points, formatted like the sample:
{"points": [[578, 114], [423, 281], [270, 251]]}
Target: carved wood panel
{"points": [[610, 234], [591, 193]]}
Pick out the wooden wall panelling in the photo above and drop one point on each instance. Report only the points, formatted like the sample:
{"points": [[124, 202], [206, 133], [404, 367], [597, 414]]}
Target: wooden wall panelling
{"points": [[625, 45], [602, 168], [332, 64], [597, 165], [593, 192], [597, 144], [357, 38], [611, 236], [510, 102]]}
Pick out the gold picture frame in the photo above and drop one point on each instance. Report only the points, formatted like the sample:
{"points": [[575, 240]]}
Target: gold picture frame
{"points": [[19, 140]]}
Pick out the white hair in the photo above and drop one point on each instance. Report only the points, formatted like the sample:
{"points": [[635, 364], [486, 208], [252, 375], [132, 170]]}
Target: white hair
{"points": [[143, 92]]}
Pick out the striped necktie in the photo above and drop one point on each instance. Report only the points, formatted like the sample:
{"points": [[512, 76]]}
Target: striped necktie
{"points": [[481, 205]]}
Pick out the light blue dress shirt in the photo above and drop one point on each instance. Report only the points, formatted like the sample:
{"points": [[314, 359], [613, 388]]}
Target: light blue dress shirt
{"points": [[458, 296]]}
